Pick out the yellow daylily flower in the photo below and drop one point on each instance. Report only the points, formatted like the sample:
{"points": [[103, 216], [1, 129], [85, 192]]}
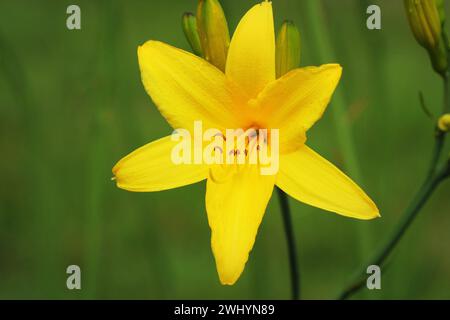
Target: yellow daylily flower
{"points": [[186, 88]]}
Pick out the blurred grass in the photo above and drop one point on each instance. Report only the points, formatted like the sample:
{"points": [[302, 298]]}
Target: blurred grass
{"points": [[340, 111], [71, 105]]}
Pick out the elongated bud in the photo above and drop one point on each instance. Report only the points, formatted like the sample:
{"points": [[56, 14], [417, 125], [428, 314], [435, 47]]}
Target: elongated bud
{"points": [[213, 31], [425, 23], [424, 20], [189, 23], [444, 123], [287, 48]]}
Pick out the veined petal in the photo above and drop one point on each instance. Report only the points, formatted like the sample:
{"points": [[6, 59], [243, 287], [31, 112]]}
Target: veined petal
{"points": [[235, 209], [251, 56], [311, 179], [186, 88], [294, 102], [151, 168]]}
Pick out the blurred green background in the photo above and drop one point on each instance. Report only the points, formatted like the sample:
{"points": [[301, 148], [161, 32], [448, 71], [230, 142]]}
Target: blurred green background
{"points": [[72, 104]]}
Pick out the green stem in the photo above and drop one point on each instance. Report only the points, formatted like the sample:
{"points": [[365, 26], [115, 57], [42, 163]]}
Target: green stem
{"points": [[440, 136], [287, 221], [408, 217], [432, 180]]}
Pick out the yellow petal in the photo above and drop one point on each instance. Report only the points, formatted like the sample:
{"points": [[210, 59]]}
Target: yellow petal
{"points": [[251, 56], [294, 102], [311, 179], [186, 88], [235, 209], [150, 168]]}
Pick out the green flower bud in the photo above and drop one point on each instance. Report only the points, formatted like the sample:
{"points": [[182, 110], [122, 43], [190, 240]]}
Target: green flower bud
{"points": [[213, 32], [287, 48], [439, 58], [189, 23], [425, 23]]}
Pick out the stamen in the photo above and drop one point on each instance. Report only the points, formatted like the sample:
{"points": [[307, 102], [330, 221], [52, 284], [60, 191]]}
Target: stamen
{"points": [[220, 134], [218, 148]]}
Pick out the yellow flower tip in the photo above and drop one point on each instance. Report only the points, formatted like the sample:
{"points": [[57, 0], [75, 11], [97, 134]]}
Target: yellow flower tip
{"points": [[229, 264], [444, 123], [370, 215], [150, 44], [141, 48], [116, 168], [227, 281], [155, 46], [251, 56], [335, 71], [368, 210], [331, 70], [336, 66], [373, 212], [120, 174], [376, 214], [229, 275], [266, 4], [116, 173]]}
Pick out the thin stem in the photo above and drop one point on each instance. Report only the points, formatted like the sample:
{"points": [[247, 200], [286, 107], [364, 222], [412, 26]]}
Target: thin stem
{"points": [[437, 151], [445, 80], [408, 217], [432, 180], [287, 221], [440, 136]]}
